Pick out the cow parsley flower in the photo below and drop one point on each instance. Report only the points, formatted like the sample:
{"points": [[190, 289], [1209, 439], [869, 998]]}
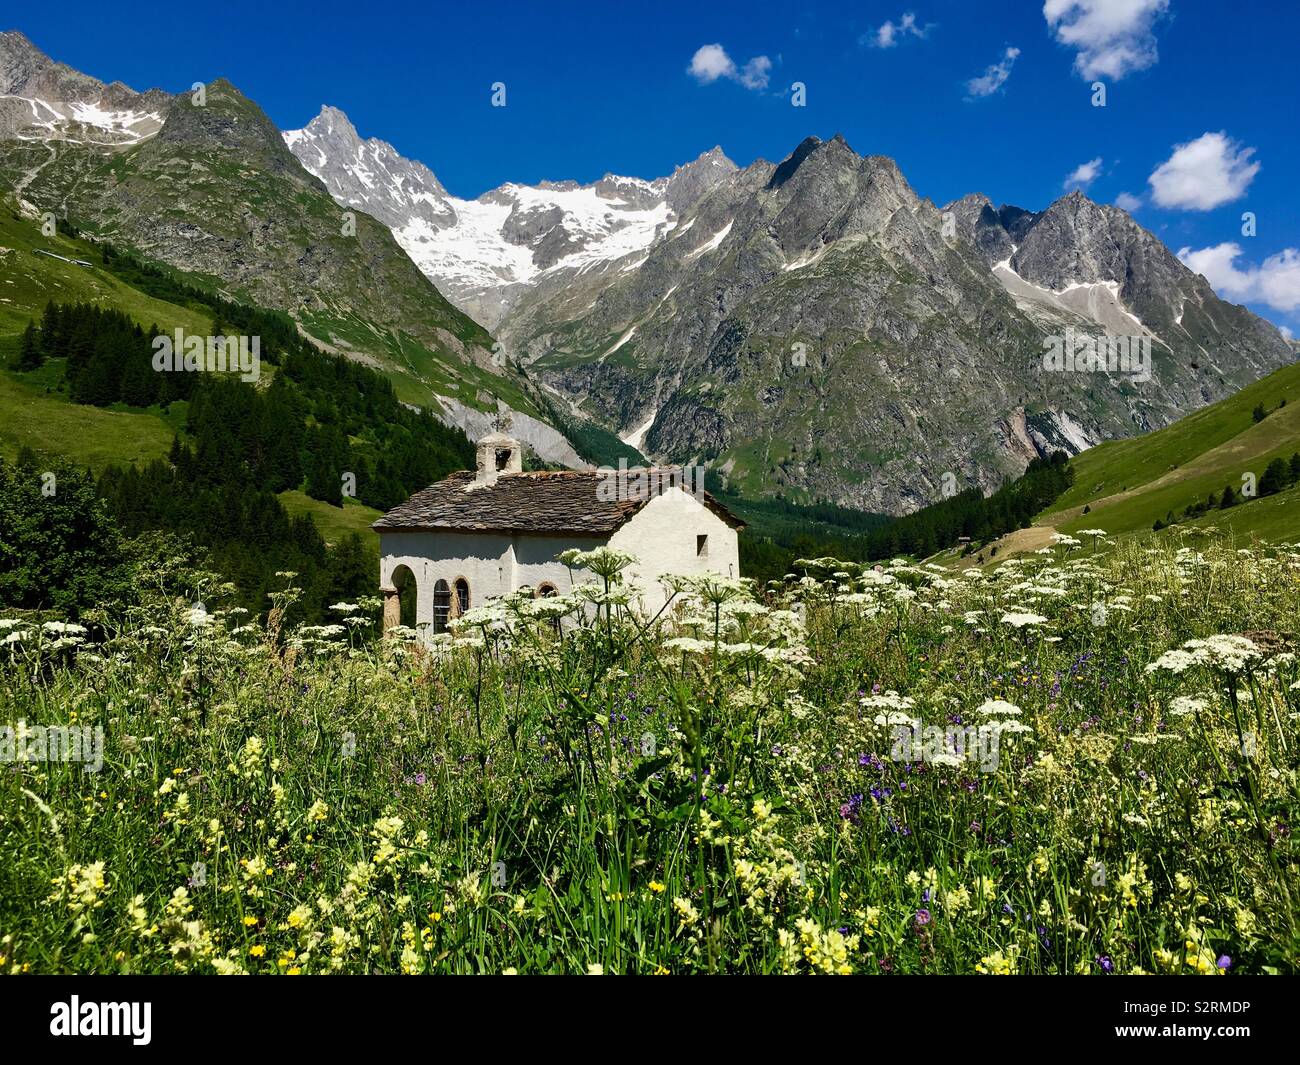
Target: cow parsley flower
{"points": [[1183, 705], [997, 708], [1019, 621], [1231, 654]]}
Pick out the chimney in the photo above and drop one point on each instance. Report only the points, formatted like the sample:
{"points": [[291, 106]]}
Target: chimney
{"points": [[498, 455]]}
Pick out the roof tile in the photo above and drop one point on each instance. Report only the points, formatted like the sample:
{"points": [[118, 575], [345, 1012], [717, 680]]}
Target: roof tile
{"points": [[542, 503]]}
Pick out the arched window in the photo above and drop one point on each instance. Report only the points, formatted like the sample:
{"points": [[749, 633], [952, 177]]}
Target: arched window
{"points": [[404, 581], [544, 591], [441, 606], [462, 596]]}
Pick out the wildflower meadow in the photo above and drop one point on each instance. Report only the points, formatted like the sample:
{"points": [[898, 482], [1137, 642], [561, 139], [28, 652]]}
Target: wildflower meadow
{"points": [[1080, 761]]}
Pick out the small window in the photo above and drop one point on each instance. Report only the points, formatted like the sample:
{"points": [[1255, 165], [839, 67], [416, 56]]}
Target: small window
{"points": [[702, 546], [441, 606], [462, 595]]}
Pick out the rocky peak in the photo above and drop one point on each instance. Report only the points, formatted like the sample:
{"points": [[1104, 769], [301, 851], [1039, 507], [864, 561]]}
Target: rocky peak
{"points": [[369, 173], [691, 182], [977, 221], [1016, 220], [333, 123], [786, 169], [42, 99], [20, 62], [226, 121], [1077, 241]]}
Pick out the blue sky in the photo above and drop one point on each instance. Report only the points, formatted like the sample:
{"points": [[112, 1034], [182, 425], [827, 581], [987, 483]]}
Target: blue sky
{"points": [[993, 96]]}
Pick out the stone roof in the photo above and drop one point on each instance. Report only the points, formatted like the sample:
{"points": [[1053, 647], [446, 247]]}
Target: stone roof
{"points": [[564, 502]]}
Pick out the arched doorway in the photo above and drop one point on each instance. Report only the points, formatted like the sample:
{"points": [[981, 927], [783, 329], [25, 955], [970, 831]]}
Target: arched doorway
{"points": [[404, 581], [441, 606]]}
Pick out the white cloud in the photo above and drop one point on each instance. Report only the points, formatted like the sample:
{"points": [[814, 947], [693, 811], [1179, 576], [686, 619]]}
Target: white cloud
{"points": [[1128, 202], [711, 62], [891, 33], [1083, 175], [1275, 282], [1202, 174], [756, 72], [1285, 330], [1111, 38], [994, 77]]}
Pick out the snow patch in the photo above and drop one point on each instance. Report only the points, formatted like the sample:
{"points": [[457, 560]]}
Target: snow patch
{"points": [[636, 437], [621, 341], [1098, 301], [121, 127], [711, 244]]}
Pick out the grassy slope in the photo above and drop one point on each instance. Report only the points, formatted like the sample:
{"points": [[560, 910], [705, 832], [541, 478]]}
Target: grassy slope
{"points": [[1128, 484], [418, 372], [334, 523], [29, 281], [91, 436], [35, 410]]}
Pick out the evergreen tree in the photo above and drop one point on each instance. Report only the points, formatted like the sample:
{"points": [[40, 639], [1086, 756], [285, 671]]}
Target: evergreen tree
{"points": [[51, 331], [1275, 477], [30, 355]]}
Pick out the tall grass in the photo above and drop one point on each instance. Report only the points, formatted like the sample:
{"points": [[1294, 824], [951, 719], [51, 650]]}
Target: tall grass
{"points": [[568, 786]]}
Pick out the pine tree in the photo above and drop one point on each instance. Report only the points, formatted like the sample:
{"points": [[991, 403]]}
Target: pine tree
{"points": [[51, 331], [1228, 499], [30, 355], [1275, 477], [139, 382]]}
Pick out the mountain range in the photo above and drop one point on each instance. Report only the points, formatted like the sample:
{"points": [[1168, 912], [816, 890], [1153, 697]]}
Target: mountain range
{"points": [[811, 327], [203, 182]]}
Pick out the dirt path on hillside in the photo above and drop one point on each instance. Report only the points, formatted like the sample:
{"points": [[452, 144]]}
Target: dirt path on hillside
{"points": [[21, 185]]}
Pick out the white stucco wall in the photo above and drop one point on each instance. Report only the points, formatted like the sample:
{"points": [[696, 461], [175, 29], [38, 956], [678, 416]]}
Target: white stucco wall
{"points": [[493, 564], [662, 535]]}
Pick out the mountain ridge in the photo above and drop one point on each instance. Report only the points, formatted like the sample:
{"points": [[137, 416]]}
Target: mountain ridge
{"points": [[209, 187], [691, 344], [485, 252]]}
